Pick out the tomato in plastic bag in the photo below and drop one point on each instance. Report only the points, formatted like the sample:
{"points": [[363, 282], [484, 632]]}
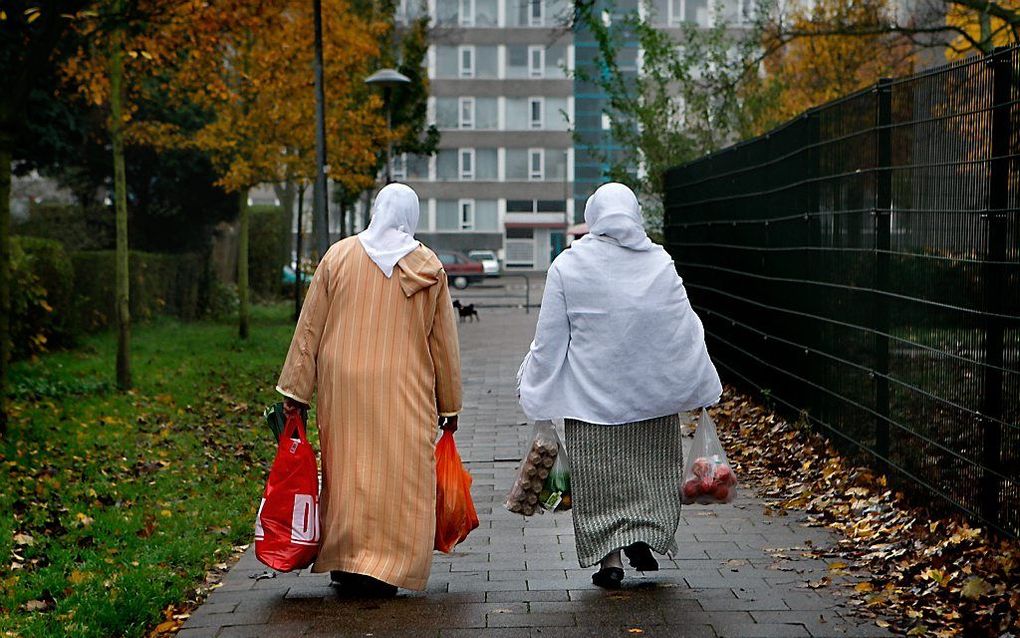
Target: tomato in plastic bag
{"points": [[708, 477]]}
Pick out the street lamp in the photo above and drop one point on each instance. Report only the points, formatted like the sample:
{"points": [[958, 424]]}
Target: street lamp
{"points": [[387, 80]]}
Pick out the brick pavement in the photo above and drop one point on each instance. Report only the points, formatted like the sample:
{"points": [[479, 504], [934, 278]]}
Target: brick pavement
{"points": [[737, 574]]}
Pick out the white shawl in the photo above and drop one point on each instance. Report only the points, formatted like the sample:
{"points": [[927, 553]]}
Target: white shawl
{"points": [[617, 340], [390, 234]]}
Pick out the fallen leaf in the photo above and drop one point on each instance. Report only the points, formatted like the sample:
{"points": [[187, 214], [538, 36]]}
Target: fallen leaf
{"points": [[975, 587]]}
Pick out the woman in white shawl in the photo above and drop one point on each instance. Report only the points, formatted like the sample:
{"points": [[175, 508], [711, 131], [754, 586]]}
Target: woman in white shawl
{"points": [[618, 353]]}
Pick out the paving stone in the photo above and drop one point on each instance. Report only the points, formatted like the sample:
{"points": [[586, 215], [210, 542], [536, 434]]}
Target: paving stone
{"points": [[518, 577]]}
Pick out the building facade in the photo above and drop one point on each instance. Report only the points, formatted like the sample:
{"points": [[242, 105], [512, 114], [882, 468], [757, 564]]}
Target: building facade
{"points": [[503, 99]]}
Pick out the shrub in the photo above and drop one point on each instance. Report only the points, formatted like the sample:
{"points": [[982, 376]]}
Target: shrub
{"points": [[159, 284], [266, 256], [42, 281], [75, 227]]}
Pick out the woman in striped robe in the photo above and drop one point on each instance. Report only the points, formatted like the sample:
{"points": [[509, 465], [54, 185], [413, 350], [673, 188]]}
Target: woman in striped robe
{"points": [[618, 353], [378, 340]]}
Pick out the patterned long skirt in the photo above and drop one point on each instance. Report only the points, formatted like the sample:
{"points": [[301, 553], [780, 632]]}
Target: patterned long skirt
{"points": [[625, 481]]}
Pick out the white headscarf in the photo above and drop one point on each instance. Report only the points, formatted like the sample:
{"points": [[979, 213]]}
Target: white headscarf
{"points": [[617, 340], [390, 234], [613, 214]]}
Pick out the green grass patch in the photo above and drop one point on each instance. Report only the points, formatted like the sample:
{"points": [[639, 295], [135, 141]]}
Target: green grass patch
{"points": [[114, 505]]}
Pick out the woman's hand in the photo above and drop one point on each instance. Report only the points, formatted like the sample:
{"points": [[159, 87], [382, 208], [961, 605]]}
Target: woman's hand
{"points": [[290, 406], [448, 423]]}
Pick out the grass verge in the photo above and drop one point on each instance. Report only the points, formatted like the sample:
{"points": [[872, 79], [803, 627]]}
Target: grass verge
{"points": [[114, 505]]}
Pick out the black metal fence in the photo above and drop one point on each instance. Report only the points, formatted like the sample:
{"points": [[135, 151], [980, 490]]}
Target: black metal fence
{"points": [[862, 263]]}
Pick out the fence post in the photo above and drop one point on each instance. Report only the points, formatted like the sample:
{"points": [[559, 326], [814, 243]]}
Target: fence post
{"points": [[881, 215], [1001, 65]]}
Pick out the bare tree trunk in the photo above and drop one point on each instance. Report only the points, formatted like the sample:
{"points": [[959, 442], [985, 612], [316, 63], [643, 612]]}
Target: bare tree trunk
{"points": [[120, 204], [320, 198], [298, 284], [285, 193], [242, 264], [5, 272]]}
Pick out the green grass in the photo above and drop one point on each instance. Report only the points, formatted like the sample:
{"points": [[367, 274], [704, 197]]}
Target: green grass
{"points": [[113, 506]]}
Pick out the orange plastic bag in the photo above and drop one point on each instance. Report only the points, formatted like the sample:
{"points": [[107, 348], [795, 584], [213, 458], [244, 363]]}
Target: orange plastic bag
{"points": [[455, 511]]}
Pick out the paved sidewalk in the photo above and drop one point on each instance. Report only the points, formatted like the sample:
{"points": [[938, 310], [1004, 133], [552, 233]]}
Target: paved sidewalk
{"points": [[738, 573]]}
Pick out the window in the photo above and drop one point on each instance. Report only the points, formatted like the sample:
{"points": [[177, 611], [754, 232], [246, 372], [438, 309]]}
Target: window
{"points": [[486, 113], [487, 215], [536, 61], [447, 164], [467, 214], [536, 112], [398, 167], [552, 205], [676, 11], [520, 233], [696, 11], [486, 164], [532, 205], [516, 164], [467, 61], [467, 163], [536, 15], [467, 13], [536, 164], [520, 205], [447, 218], [516, 61], [486, 13], [467, 112]]}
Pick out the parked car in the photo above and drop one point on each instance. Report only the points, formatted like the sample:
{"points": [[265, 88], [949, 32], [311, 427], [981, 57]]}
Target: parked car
{"points": [[289, 276], [460, 270], [489, 261]]}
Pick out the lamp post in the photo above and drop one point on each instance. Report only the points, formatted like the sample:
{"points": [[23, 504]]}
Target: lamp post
{"points": [[387, 80], [320, 199]]}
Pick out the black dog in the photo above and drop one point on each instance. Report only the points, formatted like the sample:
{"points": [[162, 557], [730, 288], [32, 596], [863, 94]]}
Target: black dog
{"points": [[466, 312]]}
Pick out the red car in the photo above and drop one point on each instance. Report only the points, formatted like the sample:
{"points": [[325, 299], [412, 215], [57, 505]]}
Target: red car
{"points": [[460, 270]]}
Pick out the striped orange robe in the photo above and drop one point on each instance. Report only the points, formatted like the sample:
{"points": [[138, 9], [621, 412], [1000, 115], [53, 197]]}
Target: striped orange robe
{"points": [[384, 356]]}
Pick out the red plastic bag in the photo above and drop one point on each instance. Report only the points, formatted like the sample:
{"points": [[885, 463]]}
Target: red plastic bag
{"points": [[455, 511], [708, 477], [287, 525]]}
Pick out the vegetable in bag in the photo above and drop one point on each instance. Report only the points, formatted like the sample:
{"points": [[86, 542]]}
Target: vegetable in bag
{"points": [[708, 477], [536, 477]]}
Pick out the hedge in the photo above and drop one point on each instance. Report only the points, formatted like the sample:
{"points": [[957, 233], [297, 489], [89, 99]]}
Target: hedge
{"points": [[159, 284], [266, 257], [42, 300]]}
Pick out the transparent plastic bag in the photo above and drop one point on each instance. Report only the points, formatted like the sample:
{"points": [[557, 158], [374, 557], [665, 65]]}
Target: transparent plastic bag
{"points": [[555, 495], [535, 471], [708, 477]]}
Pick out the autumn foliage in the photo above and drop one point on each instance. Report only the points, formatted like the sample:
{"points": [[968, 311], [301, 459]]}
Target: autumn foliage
{"points": [[245, 67], [818, 55]]}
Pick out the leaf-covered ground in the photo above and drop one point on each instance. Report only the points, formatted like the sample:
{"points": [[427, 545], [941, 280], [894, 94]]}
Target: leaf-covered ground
{"points": [[115, 506], [936, 574]]}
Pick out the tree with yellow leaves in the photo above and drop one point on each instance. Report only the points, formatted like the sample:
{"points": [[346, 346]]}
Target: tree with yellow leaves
{"points": [[110, 70], [249, 65], [814, 58]]}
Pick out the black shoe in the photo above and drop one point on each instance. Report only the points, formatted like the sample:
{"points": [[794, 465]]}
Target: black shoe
{"points": [[608, 578], [368, 587], [641, 558]]}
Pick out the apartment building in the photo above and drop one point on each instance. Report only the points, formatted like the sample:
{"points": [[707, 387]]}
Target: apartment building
{"points": [[502, 97]]}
